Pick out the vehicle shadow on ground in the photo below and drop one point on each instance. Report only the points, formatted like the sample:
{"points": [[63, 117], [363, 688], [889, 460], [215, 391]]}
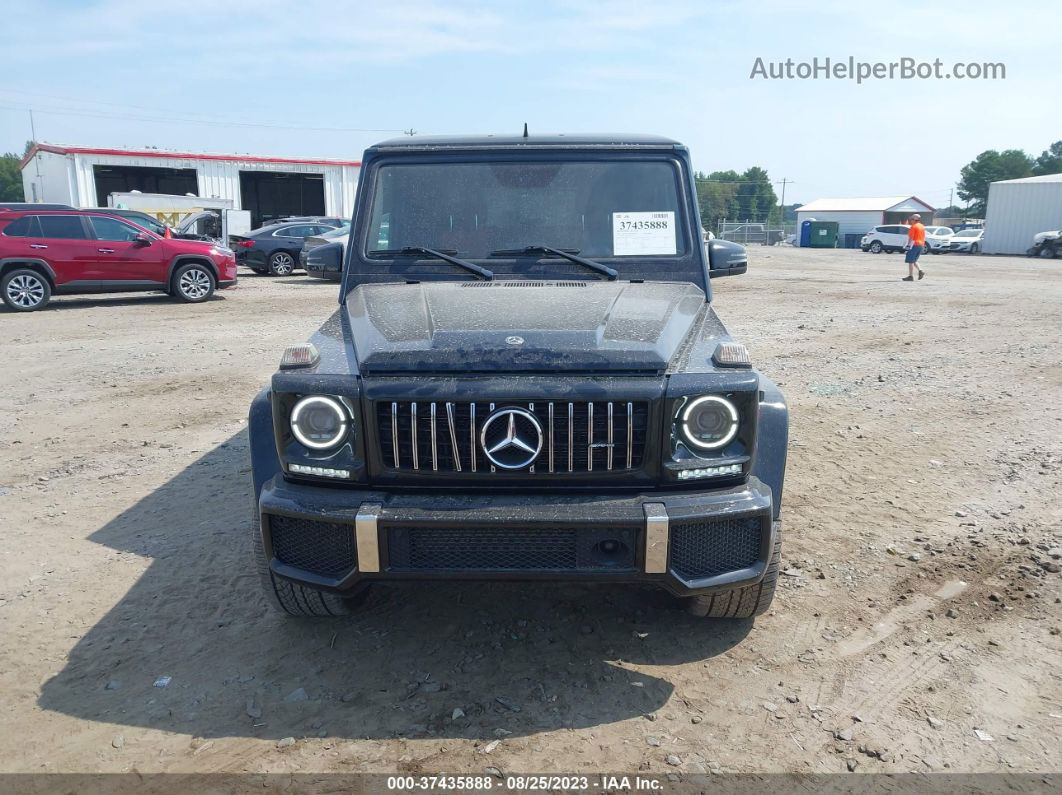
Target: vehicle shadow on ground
{"points": [[67, 303], [517, 658], [309, 281]]}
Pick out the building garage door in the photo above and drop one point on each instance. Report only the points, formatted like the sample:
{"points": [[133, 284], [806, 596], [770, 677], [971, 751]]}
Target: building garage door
{"points": [[174, 181], [278, 194]]}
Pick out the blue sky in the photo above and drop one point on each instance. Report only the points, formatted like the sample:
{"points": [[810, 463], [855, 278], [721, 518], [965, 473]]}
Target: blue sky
{"points": [[305, 78]]}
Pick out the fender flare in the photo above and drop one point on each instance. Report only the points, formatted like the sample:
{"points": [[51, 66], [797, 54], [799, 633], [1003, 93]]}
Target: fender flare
{"points": [[48, 272], [772, 440], [262, 442], [181, 259]]}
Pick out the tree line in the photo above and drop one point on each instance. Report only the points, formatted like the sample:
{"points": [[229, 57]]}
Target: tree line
{"points": [[10, 178], [991, 166], [730, 195]]}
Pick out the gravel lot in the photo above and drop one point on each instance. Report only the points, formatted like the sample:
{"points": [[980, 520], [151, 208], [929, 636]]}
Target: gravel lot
{"points": [[916, 627]]}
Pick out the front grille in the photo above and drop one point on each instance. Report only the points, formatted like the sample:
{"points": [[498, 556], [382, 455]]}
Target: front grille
{"points": [[324, 548], [598, 436], [706, 548], [539, 548]]}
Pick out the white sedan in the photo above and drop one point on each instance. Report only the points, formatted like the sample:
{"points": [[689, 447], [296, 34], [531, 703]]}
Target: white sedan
{"points": [[938, 239], [967, 241]]}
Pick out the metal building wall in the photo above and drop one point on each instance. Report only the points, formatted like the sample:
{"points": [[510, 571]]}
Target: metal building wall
{"points": [[70, 179], [50, 178], [1018, 210]]}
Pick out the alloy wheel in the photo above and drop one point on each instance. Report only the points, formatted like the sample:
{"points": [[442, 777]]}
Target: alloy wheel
{"points": [[194, 284], [283, 264], [25, 291]]}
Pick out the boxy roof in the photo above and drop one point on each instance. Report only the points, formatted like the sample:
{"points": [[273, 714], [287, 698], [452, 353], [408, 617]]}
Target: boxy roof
{"points": [[879, 204], [1042, 178], [577, 140], [62, 149]]}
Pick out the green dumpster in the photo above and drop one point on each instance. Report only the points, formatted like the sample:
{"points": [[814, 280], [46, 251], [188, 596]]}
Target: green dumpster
{"points": [[823, 234]]}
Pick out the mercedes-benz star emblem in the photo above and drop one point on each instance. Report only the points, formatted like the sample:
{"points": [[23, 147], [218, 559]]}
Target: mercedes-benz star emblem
{"points": [[511, 438], [514, 340]]}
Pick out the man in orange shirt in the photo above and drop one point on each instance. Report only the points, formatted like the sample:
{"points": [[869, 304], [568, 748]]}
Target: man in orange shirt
{"points": [[916, 242]]}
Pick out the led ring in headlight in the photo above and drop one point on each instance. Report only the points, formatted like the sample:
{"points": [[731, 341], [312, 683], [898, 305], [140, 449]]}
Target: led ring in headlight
{"points": [[709, 422], [319, 422]]}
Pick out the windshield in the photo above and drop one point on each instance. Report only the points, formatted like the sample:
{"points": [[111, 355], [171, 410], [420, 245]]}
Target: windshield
{"points": [[618, 208], [968, 233]]}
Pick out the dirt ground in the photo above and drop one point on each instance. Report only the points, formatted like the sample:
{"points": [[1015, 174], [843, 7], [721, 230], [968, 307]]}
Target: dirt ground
{"points": [[916, 627]]}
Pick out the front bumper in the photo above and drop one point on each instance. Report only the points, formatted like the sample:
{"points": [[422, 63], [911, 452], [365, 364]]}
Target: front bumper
{"points": [[686, 542]]}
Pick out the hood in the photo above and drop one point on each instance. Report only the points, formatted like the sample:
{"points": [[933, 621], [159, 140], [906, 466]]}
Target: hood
{"points": [[520, 326]]}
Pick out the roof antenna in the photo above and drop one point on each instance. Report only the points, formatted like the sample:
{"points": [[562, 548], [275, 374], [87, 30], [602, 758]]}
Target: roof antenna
{"points": [[525, 129]]}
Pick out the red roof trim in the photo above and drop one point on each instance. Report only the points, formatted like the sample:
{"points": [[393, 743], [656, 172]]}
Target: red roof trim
{"points": [[86, 150]]}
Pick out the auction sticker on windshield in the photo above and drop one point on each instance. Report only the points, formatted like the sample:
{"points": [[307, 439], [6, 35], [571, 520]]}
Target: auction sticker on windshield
{"points": [[643, 234]]}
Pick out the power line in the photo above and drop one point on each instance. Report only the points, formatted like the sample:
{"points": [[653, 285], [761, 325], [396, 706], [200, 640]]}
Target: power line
{"points": [[178, 120], [80, 101]]}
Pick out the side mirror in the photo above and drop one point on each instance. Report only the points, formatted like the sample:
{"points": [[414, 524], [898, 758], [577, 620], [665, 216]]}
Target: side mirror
{"points": [[142, 239], [726, 258]]}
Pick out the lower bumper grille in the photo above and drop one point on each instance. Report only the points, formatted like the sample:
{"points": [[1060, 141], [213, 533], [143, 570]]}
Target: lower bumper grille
{"points": [[540, 548], [324, 548], [706, 548]]}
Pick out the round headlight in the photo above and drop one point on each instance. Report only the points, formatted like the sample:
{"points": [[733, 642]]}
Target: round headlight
{"points": [[319, 422], [709, 422]]}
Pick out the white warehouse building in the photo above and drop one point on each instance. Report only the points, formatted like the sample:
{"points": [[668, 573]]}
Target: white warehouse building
{"points": [[1018, 209], [857, 216], [269, 187]]}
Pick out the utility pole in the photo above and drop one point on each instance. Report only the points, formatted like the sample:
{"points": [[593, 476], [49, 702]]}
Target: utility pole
{"points": [[781, 214], [36, 160]]}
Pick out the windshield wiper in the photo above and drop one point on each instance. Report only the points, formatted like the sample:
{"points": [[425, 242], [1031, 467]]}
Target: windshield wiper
{"points": [[446, 255], [571, 256]]}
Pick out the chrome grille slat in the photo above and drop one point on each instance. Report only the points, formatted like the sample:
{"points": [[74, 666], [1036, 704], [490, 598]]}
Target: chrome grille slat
{"points": [[394, 435], [610, 435], [590, 437], [630, 434], [492, 467], [413, 436], [472, 435], [453, 437], [443, 437], [551, 437], [571, 433], [434, 442], [531, 408]]}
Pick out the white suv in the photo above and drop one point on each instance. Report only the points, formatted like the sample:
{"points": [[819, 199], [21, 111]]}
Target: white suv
{"points": [[893, 237], [889, 237]]}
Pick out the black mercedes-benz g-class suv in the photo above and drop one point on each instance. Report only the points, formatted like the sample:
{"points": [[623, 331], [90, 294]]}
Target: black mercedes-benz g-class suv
{"points": [[524, 380]]}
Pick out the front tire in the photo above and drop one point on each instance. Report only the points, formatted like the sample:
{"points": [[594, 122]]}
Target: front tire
{"points": [[281, 263], [975, 249], [1048, 252], [25, 290], [193, 283], [876, 247], [747, 602]]}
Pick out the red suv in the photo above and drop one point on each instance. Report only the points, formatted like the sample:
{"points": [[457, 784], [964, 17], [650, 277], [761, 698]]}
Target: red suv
{"points": [[67, 251]]}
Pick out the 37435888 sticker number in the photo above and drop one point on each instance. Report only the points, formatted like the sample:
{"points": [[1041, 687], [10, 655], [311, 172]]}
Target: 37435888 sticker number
{"points": [[643, 234]]}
